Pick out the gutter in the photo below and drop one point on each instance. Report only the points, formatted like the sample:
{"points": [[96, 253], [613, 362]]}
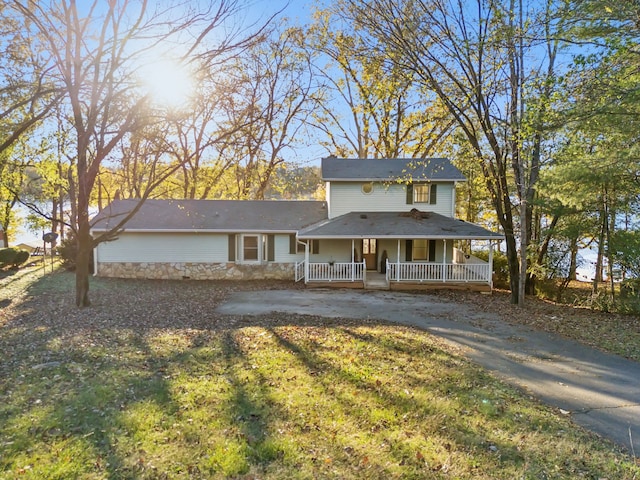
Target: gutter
{"points": [[401, 237], [195, 230]]}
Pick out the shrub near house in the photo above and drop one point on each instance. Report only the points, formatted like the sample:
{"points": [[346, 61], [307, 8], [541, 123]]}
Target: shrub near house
{"points": [[12, 257]]}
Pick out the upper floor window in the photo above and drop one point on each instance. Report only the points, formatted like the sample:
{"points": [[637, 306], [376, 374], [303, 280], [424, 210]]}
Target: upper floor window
{"points": [[421, 193]]}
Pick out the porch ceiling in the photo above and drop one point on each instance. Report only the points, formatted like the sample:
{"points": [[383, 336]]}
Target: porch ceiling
{"points": [[413, 224]]}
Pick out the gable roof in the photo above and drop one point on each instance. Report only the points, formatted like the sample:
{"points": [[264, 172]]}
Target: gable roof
{"points": [[390, 169], [397, 225], [212, 215]]}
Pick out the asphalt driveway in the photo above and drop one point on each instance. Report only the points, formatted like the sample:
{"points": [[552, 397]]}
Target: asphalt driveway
{"points": [[600, 391]]}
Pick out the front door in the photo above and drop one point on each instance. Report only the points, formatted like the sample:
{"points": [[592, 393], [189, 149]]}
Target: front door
{"points": [[369, 253]]}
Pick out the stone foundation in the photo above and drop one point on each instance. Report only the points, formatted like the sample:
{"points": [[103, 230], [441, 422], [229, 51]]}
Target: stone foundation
{"points": [[197, 271]]}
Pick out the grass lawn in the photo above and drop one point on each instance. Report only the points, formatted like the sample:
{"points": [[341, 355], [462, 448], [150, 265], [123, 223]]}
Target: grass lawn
{"points": [[150, 383]]}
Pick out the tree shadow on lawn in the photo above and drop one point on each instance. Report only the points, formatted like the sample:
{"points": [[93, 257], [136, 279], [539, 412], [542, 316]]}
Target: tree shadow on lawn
{"points": [[379, 400], [150, 383]]}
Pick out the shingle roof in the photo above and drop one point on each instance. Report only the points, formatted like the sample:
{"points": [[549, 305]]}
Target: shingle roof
{"points": [[397, 225], [213, 215], [390, 169]]}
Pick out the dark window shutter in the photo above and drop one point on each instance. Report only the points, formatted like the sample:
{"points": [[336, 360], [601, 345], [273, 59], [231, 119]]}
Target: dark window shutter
{"points": [[408, 254], [409, 194], [293, 246], [232, 247], [315, 246], [271, 248], [432, 250], [433, 193]]}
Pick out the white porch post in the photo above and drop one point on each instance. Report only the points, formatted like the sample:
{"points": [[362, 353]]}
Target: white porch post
{"points": [[353, 260], [306, 262], [398, 263], [444, 260], [491, 264]]}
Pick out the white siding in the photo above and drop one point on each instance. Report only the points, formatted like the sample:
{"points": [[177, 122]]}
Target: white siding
{"points": [[345, 197], [181, 247], [333, 250], [165, 247], [282, 254]]}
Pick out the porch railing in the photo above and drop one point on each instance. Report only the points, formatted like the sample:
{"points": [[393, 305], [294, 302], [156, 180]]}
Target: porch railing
{"points": [[299, 271], [438, 272], [336, 272]]}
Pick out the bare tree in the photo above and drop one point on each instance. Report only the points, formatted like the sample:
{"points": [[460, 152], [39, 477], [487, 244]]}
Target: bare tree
{"points": [[377, 110], [272, 98], [97, 52]]}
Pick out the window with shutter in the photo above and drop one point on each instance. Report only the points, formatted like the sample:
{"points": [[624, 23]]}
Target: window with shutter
{"points": [[421, 193], [250, 248], [423, 250], [420, 250]]}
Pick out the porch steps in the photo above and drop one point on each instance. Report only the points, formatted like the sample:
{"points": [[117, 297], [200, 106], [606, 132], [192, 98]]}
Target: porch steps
{"points": [[376, 281]]}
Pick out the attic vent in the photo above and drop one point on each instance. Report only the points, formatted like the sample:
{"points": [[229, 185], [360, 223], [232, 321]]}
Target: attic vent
{"points": [[363, 216]]}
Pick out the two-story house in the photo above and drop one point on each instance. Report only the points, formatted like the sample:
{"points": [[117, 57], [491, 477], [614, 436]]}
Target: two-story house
{"points": [[387, 223]]}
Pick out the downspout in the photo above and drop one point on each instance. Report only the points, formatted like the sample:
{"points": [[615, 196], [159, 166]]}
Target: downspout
{"points": [[95, 261], [305, 258]]}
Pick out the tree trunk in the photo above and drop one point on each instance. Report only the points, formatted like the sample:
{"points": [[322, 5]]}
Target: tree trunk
{"points": [[84, 244], [597, 278], [573, 266], [514, 270], [522, 277], [61, 217], [609, 232]]}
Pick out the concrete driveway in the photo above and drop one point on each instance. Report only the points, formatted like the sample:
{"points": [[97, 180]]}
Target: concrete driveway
{"points": [[600, 391]]}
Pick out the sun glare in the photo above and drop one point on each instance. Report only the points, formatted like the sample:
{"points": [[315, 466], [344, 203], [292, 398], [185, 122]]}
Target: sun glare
{"points": [[168, 83]]}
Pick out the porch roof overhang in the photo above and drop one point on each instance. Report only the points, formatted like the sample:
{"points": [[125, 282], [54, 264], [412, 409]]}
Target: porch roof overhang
{"points": [[396, 225]]}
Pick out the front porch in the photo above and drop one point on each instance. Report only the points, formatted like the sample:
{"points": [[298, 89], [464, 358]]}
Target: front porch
{"points": [[412, 250], [466, 272]]}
